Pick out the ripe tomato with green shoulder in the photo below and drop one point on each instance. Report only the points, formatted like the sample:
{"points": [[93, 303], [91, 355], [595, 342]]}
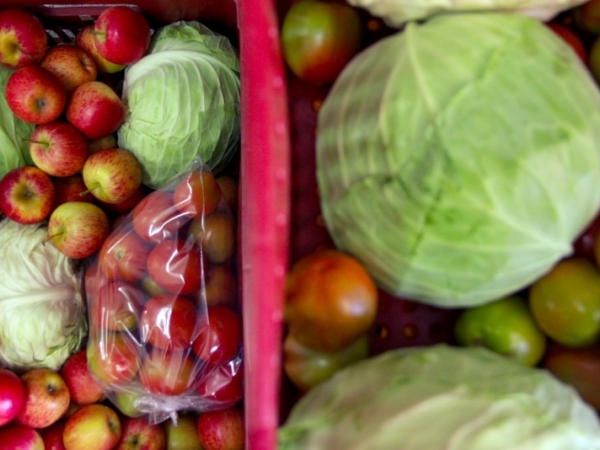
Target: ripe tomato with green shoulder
{"points": [[319, 38], [306, 367], [330, 300], [578, 367]]}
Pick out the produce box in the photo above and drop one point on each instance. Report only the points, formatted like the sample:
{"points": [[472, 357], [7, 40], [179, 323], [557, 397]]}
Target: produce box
{"points": [[280, 218]]}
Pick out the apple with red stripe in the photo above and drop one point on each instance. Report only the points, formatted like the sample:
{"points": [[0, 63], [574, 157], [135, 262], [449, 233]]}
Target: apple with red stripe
{"points": [[26, 195], [23, 39]]}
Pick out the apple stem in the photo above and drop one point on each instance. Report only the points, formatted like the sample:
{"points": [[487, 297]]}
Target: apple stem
{"points": [[31, 141], [49, 238]]}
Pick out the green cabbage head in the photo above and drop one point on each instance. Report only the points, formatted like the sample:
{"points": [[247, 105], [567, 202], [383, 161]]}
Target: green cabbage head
{"points": [[460, 158], [398, 12], [441, 398], [42, 309], [183, 101]]}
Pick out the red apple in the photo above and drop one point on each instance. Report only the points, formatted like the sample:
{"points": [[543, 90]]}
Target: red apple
{"points": [[26, 195], [220, 337], [71, 189], [182, 435], [123, 255], [177, 266], [46, 398], [139, 434], [168, 322], [23, 38], [35, 95], [87, 41], [58, 148], [197, 194], [53, 436], [122, 34], [83, 387], [71, 64], [155, 218], [78, 229], [95, 109], [112, 175], [20, 437], [113, 357], [94, 426], [117, 307], [167, 373], [222, 429], [12, 395]]}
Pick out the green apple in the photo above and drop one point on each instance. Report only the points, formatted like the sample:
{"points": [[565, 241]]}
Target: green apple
{"points": [[505, 326], [184, 434], [125, 401]]}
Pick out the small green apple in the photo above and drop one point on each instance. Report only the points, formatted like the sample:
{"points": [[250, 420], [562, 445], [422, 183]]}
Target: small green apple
{"points": [[184, 434]]}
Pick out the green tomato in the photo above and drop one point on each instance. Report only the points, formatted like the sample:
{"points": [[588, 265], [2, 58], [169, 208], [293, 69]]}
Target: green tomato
{"points": [[506, 327], [307, 367], [319, 38], [566, 302]]}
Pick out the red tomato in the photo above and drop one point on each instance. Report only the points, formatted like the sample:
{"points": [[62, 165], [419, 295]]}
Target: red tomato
{"points": [[579, 367], [155, 218], [319, 38], [306, 367], [176, 266], [124, 255], [167, 373], [168, 321], [216, 234], [585, 244], [331, 300], [221, 336], [223, 383], [570, 38], [116, 306], [198, 194]]}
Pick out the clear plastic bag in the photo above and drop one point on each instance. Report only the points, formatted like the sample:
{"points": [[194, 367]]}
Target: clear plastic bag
{"points": [[165, 329]]}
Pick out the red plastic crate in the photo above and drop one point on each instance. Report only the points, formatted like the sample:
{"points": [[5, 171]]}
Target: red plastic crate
{"points": [[279, 215]]}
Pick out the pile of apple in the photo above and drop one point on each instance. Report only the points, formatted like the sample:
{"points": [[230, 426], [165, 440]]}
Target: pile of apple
{"points": [[43, 409], [78, 172]]}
